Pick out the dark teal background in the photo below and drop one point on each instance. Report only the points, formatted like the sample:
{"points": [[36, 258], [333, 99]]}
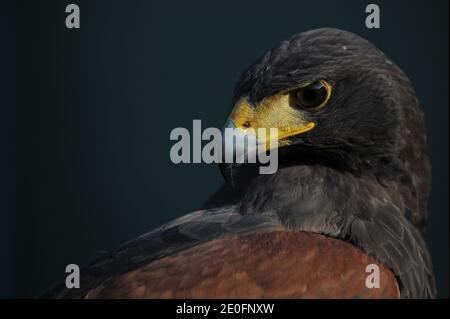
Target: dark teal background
{"points": [[85, 115]]}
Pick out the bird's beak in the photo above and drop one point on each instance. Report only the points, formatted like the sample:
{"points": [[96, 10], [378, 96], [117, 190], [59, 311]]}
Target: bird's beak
{"points": [[267, 125], [245, 146], [254, 132], [241, 142], [239, 146]]}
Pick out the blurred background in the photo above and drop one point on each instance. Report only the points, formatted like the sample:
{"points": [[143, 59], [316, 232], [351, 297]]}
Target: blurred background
{"points": [[85, 114]]}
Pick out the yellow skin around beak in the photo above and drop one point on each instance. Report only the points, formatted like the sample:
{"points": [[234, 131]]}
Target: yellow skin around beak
{"points": [[273, 112]]}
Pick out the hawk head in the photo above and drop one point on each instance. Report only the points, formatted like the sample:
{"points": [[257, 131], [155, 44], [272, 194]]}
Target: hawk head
{"points": [[338, 101]]}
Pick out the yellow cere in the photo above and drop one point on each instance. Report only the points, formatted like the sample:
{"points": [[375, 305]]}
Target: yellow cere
{"points": [[272, 112]]}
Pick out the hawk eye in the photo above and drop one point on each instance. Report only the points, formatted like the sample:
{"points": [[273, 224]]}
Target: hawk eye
{"points": [[314, 95]]}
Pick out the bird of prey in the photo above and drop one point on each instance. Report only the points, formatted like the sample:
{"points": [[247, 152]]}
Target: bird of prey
{"points": [[350, 191]]}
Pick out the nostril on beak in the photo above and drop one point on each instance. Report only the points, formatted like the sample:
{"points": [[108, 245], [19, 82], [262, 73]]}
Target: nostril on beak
{"points": [[246, 124]]}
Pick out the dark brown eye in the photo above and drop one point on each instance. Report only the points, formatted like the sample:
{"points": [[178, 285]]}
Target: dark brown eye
{"points": [[313, 95]]}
